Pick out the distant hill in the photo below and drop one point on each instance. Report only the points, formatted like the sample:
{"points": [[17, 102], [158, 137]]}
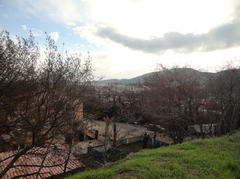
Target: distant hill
{"points": [[126, 81], [202, 75]]}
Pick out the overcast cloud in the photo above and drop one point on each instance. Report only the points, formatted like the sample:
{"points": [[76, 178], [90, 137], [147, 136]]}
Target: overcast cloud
{"points": [[218, 38], [126, 38]]}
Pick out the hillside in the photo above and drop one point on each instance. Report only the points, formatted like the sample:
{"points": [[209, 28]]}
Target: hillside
{"points": [[208, 158], [126, 81], [201, 75]]}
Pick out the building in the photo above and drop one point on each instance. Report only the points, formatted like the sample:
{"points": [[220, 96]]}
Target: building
{"points": [[40, 162]]}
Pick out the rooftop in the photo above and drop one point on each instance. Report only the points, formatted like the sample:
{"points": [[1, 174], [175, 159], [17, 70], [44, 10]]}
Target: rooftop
{"points": [[45, 162]]}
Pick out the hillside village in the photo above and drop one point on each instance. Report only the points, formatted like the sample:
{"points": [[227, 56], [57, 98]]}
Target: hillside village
{"points": [[119, 89], [56, 120]]}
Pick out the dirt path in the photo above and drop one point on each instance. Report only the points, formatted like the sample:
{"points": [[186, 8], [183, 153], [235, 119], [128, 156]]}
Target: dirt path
{"points": [[127, 130]]}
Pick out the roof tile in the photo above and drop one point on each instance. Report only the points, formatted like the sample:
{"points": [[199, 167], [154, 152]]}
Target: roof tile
{"points": [[31, 162]]}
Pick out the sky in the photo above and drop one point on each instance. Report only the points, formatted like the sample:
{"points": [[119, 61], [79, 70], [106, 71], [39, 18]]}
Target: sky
{"points": [[127, 38]]}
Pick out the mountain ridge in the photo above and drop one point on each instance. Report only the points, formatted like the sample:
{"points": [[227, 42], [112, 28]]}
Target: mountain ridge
{"points": [[139, 79], [127, 81]]}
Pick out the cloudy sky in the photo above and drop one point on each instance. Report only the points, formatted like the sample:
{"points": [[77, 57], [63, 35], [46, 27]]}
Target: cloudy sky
{"points": [[126, 38]]}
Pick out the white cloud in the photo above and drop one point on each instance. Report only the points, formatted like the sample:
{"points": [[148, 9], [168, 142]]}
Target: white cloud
{"points": [[54, 36], [24, 27], [154, 17], [89, 32], [143, 19], [120, 62], [36, 32], [70, 25]]}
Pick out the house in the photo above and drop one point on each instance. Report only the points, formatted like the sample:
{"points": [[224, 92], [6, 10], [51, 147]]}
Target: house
{"points": [[211, 106], [19, 138], [206, 128], [40, 163]]}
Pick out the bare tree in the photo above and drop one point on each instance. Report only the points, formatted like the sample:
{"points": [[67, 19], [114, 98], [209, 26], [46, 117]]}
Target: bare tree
{"points": [[182, 97], [40, 101], [225, 90], [173, 99]]}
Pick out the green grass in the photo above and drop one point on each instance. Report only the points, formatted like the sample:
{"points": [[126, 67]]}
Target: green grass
{"points": [[209, 158], [123, 151]]}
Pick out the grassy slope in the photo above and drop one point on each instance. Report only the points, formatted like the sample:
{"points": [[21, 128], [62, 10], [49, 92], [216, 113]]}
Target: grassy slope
{"points": [[209, 158]]}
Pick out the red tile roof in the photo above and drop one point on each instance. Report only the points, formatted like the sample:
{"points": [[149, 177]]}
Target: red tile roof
{"points": [[30, 163]]}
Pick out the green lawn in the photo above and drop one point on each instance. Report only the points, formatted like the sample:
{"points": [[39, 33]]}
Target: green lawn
{"points": [[208, 158]]}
